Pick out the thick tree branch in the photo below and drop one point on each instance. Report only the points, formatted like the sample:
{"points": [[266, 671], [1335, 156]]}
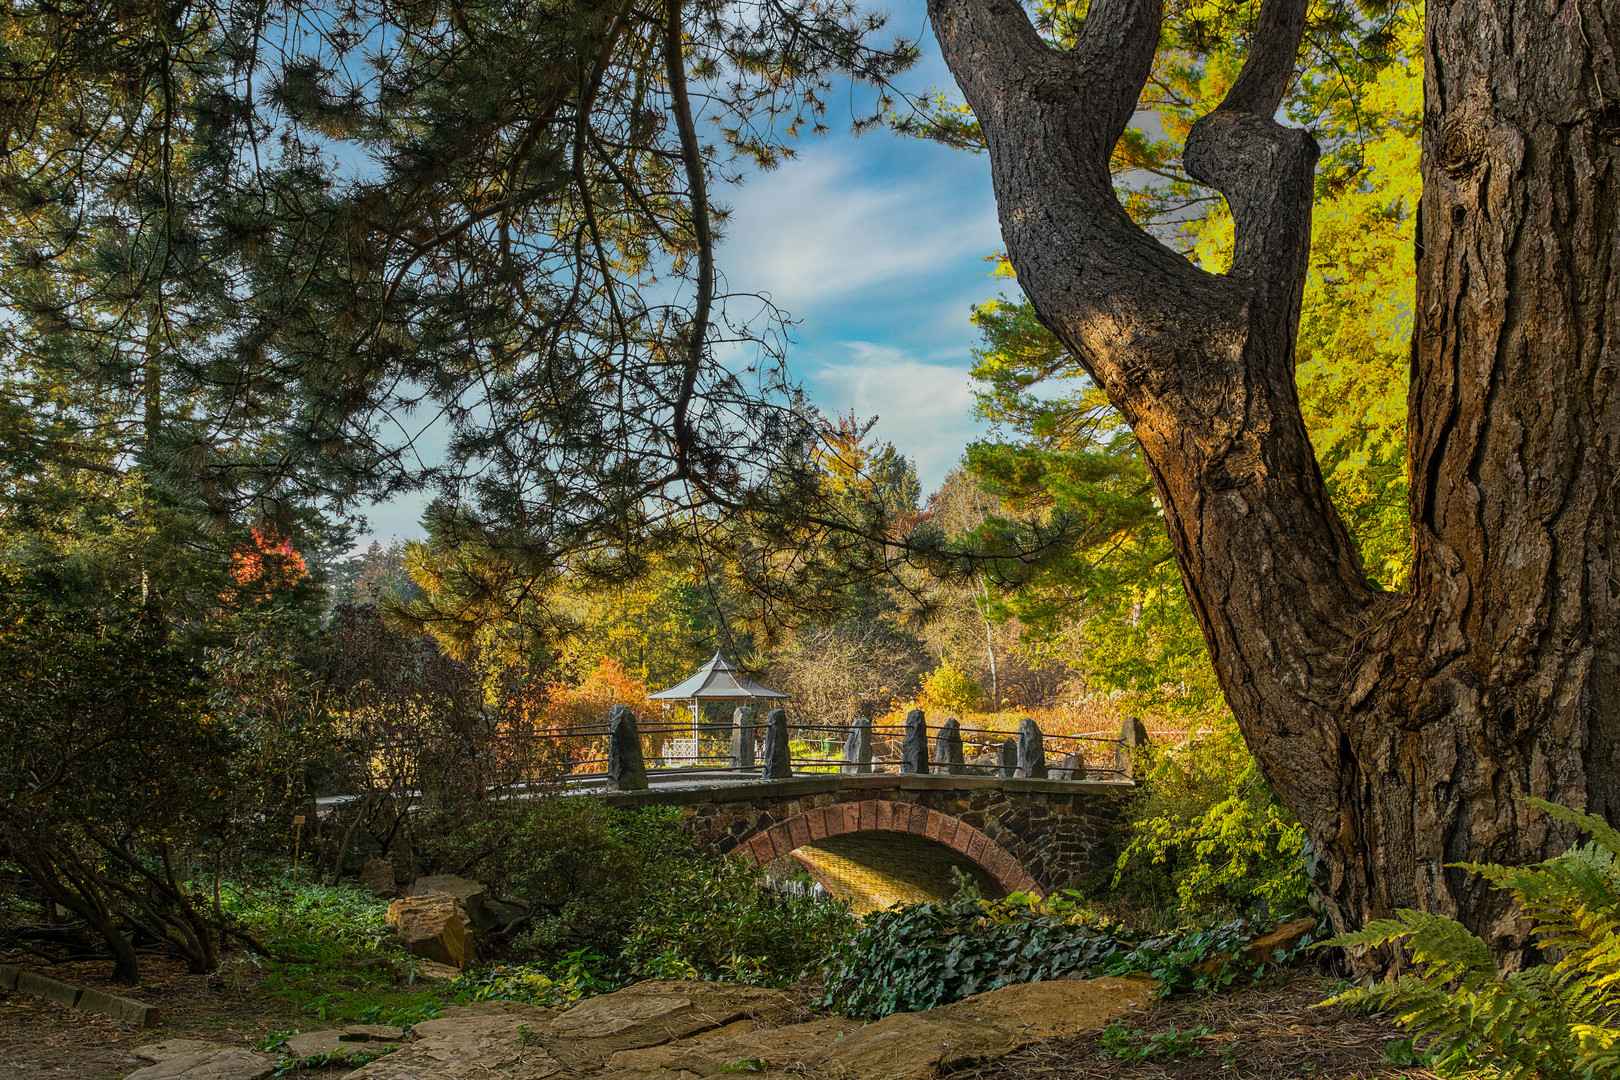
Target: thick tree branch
{"points": [[1265, 170]]}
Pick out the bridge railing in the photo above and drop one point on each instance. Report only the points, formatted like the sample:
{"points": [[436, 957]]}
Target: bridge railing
{"points": [[672, 753]]}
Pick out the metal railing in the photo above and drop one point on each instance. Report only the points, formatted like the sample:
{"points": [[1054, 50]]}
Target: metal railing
{"points": [[672, 753]]}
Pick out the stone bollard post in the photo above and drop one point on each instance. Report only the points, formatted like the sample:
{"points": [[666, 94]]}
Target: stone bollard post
{"points": [[1073, 768], [914, 750], [858, 747], [948, 755], [626, 769], [742, 738], [1133, 735], [778, 758], [1009, 757], [1031, 750]]}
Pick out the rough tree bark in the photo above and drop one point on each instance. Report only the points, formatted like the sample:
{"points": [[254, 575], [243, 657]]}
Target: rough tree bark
{"points": [[1403, 730]]}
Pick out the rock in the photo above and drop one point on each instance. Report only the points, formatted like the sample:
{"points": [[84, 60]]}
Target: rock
{"points": [[1286, 938], [626, 768], [432, 927], [1261, 950], [504, 913], [914, 747], [742, 737], [1133, 738], [778, 763], [686, 1030], [789, 1048], [328, 1043], [655, 1013], [858, 747], [1073, 768], [433, 971], [948, 748], [470, 1045], [910, 1046], [172, 1048], [221, 1063], [471, 895], [1007, 757], [372, 1033], [377, 877], [914, 1046], [1030, 750]]}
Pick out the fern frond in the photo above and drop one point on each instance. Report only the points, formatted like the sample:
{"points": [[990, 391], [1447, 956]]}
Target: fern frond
{"points": [[1604, 834]]}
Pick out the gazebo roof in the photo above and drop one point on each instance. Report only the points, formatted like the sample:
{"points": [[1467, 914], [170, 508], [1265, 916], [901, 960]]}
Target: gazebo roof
{"points": [[718, 679]]}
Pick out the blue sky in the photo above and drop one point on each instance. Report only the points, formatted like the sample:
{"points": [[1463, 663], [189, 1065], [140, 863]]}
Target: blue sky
{"points": [[876, 247]]}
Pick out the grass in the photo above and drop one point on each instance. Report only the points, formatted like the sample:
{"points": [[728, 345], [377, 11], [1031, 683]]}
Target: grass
{"points": [[333, 956]]}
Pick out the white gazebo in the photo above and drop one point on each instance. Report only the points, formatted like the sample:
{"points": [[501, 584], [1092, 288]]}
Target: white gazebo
{"points": [[715, 681]]}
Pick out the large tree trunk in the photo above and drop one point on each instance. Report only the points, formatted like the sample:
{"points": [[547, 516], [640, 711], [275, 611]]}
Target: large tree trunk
{"points": [[1403, 730]]}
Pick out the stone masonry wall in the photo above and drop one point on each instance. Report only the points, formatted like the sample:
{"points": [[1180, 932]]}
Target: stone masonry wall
{"points": [[1037, 835]]}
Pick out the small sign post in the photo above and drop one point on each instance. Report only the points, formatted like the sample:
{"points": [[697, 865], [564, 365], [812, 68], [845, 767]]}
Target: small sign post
{"points": [[298, 835]]}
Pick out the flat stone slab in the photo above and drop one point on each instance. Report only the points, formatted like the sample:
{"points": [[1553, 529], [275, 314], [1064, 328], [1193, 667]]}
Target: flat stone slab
{"points": [[228, 1063], [689, 1030], [916, 1046], [473, 1044], [339, 1043], [172, 1048]]}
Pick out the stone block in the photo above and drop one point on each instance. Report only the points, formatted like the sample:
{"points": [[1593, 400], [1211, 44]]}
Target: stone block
{"points": [[626, 769], [743, 732], [377, 877], [31, 982], [858, 748], [948, 756], [471, 895], [1008, 758], [914, 748], [778, 764], [1031, 750], [432, 927]]}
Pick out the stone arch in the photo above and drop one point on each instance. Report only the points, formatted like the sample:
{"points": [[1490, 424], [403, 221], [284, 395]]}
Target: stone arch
{"points": [[881, 815]]}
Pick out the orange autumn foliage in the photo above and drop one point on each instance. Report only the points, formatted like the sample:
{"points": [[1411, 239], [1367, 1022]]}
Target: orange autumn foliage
{"points": [[266, 567]]}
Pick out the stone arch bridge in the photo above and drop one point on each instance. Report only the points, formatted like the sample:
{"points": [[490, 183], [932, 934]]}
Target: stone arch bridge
{"points": [[885, 838]]}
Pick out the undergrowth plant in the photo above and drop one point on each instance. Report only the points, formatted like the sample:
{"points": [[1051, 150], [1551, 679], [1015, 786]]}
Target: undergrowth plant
{"points": [[923, 955], [331, 952], [1557, 1021], [1206, 834]]}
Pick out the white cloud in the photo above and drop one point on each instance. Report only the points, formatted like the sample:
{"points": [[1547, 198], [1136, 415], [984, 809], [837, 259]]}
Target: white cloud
{"points": [[828, 226], [925, 409]]}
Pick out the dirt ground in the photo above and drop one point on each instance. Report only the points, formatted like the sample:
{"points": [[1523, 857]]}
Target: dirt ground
{"points": [[1261, 1033], [40, 1040], [1269, 1033]]}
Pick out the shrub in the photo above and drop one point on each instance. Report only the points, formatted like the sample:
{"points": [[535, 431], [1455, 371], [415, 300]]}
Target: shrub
{"points": [[949, 689], [923, 955], [626, 887], [1207, 830], [113, 777], [585, 870], [554, 986], [714, 919], [329, 923], [326, 949], [1555, 1021]]}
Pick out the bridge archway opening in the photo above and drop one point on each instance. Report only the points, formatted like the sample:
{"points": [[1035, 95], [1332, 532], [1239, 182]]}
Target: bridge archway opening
{"points": [[877, 853], [877, 870]]}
